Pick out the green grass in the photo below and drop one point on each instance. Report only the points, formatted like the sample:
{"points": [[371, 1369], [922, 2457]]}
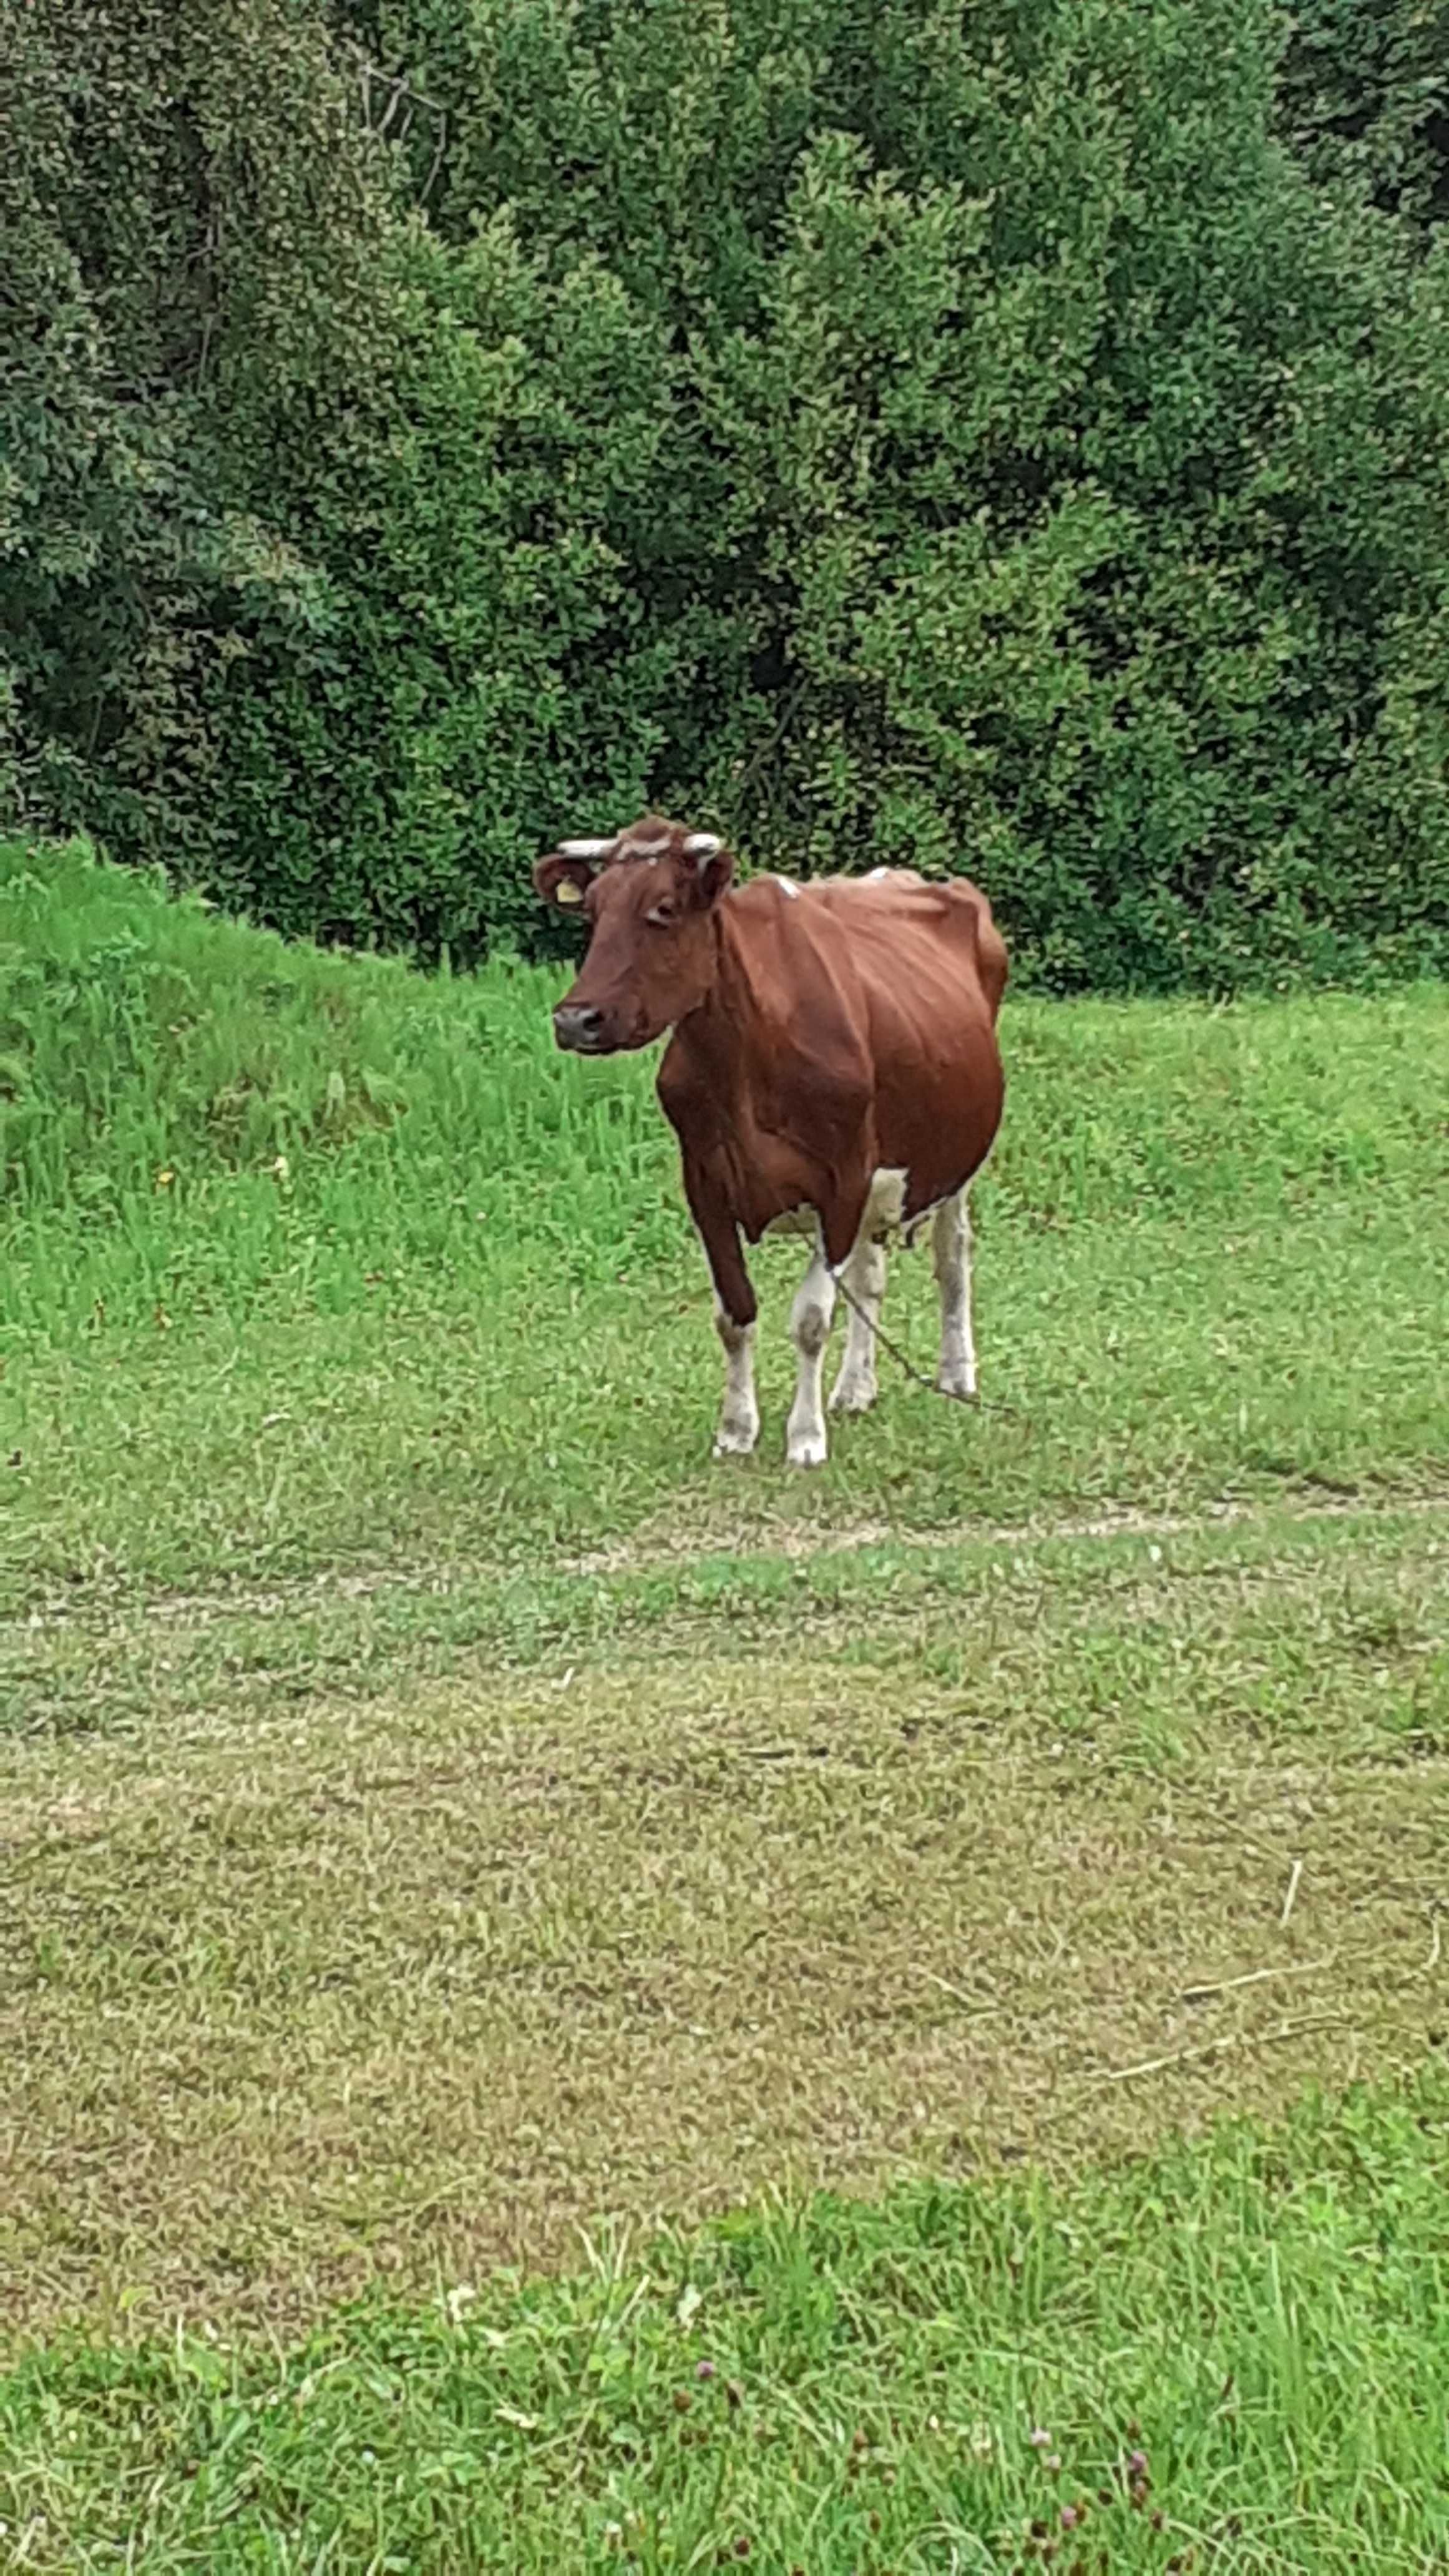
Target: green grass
{"points": [[1262, 2320], [443, 1805], [94, 1662], [468, 1320]]}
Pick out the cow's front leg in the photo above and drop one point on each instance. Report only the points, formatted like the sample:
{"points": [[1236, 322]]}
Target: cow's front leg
{"points": [[739, 1422], [734, 1314], [810, 1318]]}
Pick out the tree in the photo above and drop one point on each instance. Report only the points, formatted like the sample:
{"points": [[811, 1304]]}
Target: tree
{"points": [[998, 438]]}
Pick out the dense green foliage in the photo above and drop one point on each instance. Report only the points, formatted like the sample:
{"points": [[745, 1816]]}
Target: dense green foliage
{"points": [[1365, 96], [1011, 441]]}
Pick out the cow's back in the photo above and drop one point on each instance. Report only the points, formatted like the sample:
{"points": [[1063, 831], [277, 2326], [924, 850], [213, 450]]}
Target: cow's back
{"points": [[894, 913], [916, 970]]}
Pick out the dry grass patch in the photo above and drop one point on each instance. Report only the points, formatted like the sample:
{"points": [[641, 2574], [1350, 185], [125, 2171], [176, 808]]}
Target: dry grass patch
{"points": [[334, 1992]]}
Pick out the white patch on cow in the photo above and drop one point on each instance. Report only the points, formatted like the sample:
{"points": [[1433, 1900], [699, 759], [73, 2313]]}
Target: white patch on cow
{"points": [[800, 1220], [883, 1207], [951, 1251], [872, 874], [739, 1422], [786, 887], [810, 1319], [882, 1210]]}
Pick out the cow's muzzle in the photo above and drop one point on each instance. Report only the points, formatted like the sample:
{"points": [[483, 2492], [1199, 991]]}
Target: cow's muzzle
{"points": [[580, 1029]]}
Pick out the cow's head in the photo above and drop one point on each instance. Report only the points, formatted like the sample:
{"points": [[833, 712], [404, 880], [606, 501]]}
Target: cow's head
{"points": [[648, 896]]}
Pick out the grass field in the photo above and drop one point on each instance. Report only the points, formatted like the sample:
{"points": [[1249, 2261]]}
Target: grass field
{"points": [[440, 1806]]}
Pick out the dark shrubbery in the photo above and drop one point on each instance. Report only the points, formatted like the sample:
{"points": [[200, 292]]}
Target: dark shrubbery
{"points": [[1009, 439]]}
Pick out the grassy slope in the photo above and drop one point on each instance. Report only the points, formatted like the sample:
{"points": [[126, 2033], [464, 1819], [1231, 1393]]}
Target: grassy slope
{"points": [[466, 1322]]}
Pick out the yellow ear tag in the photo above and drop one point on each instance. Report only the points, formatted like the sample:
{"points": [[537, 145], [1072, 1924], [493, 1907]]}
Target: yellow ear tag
{"points": [[567, 892]]}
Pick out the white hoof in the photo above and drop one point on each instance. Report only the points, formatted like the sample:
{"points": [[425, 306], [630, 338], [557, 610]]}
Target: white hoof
{"points": [[853, 1395], [809, 1452], [735, 1439], [957, 1381]]}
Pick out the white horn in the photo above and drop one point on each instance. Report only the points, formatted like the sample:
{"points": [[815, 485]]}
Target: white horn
{"points": [[584, 849], [702, 845]]}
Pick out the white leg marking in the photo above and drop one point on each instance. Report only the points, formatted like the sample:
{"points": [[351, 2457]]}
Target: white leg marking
{"points": [[739, 1423], [810, 1318], [865, 1277], [951, 1249]]}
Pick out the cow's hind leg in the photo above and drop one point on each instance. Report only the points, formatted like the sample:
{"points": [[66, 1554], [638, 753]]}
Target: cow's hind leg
{"points": [[951, 1249], [863, 1279], [810, 1319], [739, 1422]]}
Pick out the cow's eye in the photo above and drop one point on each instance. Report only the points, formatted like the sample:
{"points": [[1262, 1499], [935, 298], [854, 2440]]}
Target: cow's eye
{"points": [[661, 916]]}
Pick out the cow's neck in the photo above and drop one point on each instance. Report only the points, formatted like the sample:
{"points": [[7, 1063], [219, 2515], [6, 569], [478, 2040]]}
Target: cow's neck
{"points": [[721, 1035]]}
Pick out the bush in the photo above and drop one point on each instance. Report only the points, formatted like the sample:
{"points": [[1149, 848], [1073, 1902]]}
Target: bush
{"points": [[1364, 97], [983, 445]]}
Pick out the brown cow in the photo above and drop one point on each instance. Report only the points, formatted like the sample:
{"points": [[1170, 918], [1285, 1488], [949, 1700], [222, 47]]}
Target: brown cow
{"points": [[833, 1070]]}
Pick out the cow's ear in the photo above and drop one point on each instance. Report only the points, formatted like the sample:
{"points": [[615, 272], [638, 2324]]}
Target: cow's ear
{"points": [[712, 863], [563, 880]]}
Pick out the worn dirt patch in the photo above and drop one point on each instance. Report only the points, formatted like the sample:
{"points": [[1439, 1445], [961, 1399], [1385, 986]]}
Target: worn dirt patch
{"points": [[800, 1539], [664, 1550]]}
